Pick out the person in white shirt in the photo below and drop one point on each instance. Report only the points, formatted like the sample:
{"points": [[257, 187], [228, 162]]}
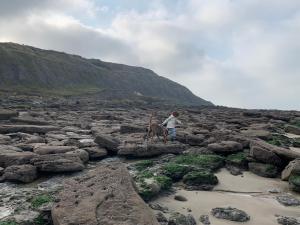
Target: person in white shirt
{"points": [[171, 122]]}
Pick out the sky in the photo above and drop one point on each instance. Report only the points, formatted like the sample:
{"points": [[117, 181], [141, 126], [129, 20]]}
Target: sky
{"points": [[238, 53]]}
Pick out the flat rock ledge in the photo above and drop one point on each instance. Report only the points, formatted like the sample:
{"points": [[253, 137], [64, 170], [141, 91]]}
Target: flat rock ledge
{"points": [[148, 150], [105, 196]]}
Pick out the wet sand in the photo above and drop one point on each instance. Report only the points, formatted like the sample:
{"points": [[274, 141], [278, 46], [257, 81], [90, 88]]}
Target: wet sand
{"points": [[262, 207]]}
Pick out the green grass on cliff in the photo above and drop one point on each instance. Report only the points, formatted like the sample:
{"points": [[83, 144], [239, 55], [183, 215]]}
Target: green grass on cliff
{"points": [[60, 92]]}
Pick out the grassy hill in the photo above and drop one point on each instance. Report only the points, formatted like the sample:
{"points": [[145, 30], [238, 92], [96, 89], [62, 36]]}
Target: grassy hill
{"points": [[28, 69]]}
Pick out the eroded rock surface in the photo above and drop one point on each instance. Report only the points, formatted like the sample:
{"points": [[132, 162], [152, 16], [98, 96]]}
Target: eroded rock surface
{"points": [[103, 196]]}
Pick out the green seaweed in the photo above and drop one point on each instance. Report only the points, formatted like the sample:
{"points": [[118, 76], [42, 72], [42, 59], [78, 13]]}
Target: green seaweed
{"points": [[39, 200]]}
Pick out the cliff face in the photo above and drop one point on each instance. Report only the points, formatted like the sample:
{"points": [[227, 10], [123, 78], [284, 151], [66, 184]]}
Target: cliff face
{"points": [[25, 67]]}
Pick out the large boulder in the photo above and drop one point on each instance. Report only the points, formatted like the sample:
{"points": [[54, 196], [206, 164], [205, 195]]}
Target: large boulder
{"points": [[48, 149], [105, 195], [57, 163], [147, 150], [22, 173], [292, 168], [225, 147], [108, 142], [4, 129], [7, 114], [265, 152], [263, 170]]}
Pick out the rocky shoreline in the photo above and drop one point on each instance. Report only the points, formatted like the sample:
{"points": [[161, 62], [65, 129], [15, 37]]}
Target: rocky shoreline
{"points": [[84, 162]]}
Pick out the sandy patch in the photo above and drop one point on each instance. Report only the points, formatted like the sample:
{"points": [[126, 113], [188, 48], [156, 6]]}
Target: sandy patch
{"points": [[262, 207], [248, 182]]}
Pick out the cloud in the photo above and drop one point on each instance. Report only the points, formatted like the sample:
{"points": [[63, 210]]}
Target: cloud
{"points": [[235, 53]]}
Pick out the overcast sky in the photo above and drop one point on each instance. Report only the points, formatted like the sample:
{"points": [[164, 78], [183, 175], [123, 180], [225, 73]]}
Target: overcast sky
{"points": [[240, 53]]}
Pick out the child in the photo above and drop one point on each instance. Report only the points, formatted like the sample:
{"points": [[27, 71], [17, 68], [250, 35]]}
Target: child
{"points": [[171, 124]]}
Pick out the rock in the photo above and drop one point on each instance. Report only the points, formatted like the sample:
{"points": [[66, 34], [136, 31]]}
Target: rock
{"points": [[180, 219], [9, 149], [46, 149], [103, 196], [159, 207], [57, 163], [180, 198], [25, 217], [26, 147], [292, 129], [28, 120], [229, 213], [15, 158], [292, 168], [5, 139], [34, 139], [148, 188], [257, 133], [84, 143], [288, 200], [190, 139], [108, 142], [96, 152], [200, 180], [22, 173], [7, 114], [240, 139], [234, 170], [127, 129], [161, 218], [4, 129], [1, 171], [148, 150], [198, 150], [263, 170], [204, 219], [261, 151], [237, 160], [225, 147], [252, 113], [294, 182], [82, 154], [288, 220], [274, 190]]}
